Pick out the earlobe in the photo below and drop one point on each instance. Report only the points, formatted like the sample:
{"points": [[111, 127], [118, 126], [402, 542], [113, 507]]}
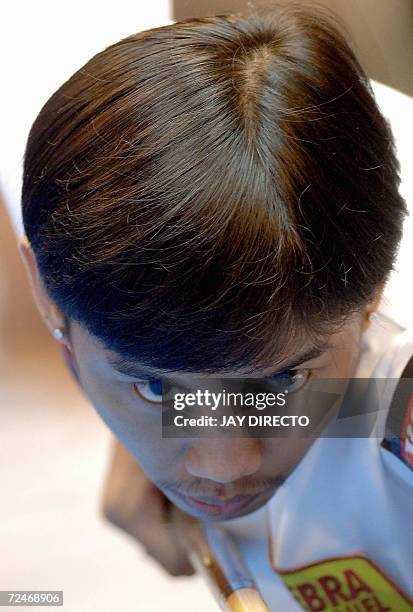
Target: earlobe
{"points": [[49, 311]]}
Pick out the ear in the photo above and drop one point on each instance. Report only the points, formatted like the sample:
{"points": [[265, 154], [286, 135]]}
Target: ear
{"points": [[372, 306], [51, 313]]}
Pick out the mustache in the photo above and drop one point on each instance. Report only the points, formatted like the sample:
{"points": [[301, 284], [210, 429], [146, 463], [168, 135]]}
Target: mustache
{"points": [[208, 488]]}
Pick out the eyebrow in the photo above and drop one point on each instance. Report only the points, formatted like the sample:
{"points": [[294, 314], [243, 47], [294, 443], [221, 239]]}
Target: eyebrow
{"points": [[311, 353], [127, 367]]}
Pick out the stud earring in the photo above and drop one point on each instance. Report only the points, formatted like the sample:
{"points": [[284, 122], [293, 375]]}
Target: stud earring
{"points": [[58, 334]]}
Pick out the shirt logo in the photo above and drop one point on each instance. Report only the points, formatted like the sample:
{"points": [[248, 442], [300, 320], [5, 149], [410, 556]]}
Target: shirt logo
{"points": [[349, 584]]}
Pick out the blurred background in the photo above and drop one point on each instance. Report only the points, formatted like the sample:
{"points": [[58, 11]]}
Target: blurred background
{"points": [[53, 448]]}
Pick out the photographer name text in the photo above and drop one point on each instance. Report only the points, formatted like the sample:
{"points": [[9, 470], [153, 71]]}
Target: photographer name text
{"points": [[251, 420]]}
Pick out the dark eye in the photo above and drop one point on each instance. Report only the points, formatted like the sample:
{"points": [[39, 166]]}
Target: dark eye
{"points": [[149, 391], [291, 380]]}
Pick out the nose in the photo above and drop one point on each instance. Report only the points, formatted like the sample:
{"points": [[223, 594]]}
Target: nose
{"points": [[223, 460]]}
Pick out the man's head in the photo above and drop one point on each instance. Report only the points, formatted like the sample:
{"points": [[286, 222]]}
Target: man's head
{"points": [[218, 196]]}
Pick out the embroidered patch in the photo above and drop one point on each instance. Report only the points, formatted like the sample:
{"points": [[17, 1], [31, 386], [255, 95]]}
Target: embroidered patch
{"points": [[349, 584]]}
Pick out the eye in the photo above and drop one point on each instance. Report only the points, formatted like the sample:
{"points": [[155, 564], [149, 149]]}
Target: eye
{"points": [[149, 391], [291, 380]]}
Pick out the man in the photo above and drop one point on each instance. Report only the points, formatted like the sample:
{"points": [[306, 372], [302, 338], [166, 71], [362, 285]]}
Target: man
{"points": [[219, 198]]}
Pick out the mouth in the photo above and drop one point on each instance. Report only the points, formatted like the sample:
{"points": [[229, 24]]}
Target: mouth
{"points": [[226, 508]]}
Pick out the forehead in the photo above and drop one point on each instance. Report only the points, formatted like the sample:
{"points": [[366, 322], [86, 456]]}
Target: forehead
{"points": [[94, 354]]}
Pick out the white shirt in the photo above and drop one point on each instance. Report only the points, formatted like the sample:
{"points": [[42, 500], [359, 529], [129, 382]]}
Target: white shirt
{"points": [[346, 511]]}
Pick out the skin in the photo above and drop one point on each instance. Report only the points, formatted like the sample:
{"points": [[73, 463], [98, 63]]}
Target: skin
{"points": [[200, 475]]}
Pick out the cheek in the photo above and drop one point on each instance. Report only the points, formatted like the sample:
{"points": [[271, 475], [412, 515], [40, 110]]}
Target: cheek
{"points": [[119, 408], [138, 427], [282, 455]]}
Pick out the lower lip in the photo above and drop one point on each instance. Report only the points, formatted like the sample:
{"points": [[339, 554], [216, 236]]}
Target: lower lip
{"points": [[229, 508]]}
